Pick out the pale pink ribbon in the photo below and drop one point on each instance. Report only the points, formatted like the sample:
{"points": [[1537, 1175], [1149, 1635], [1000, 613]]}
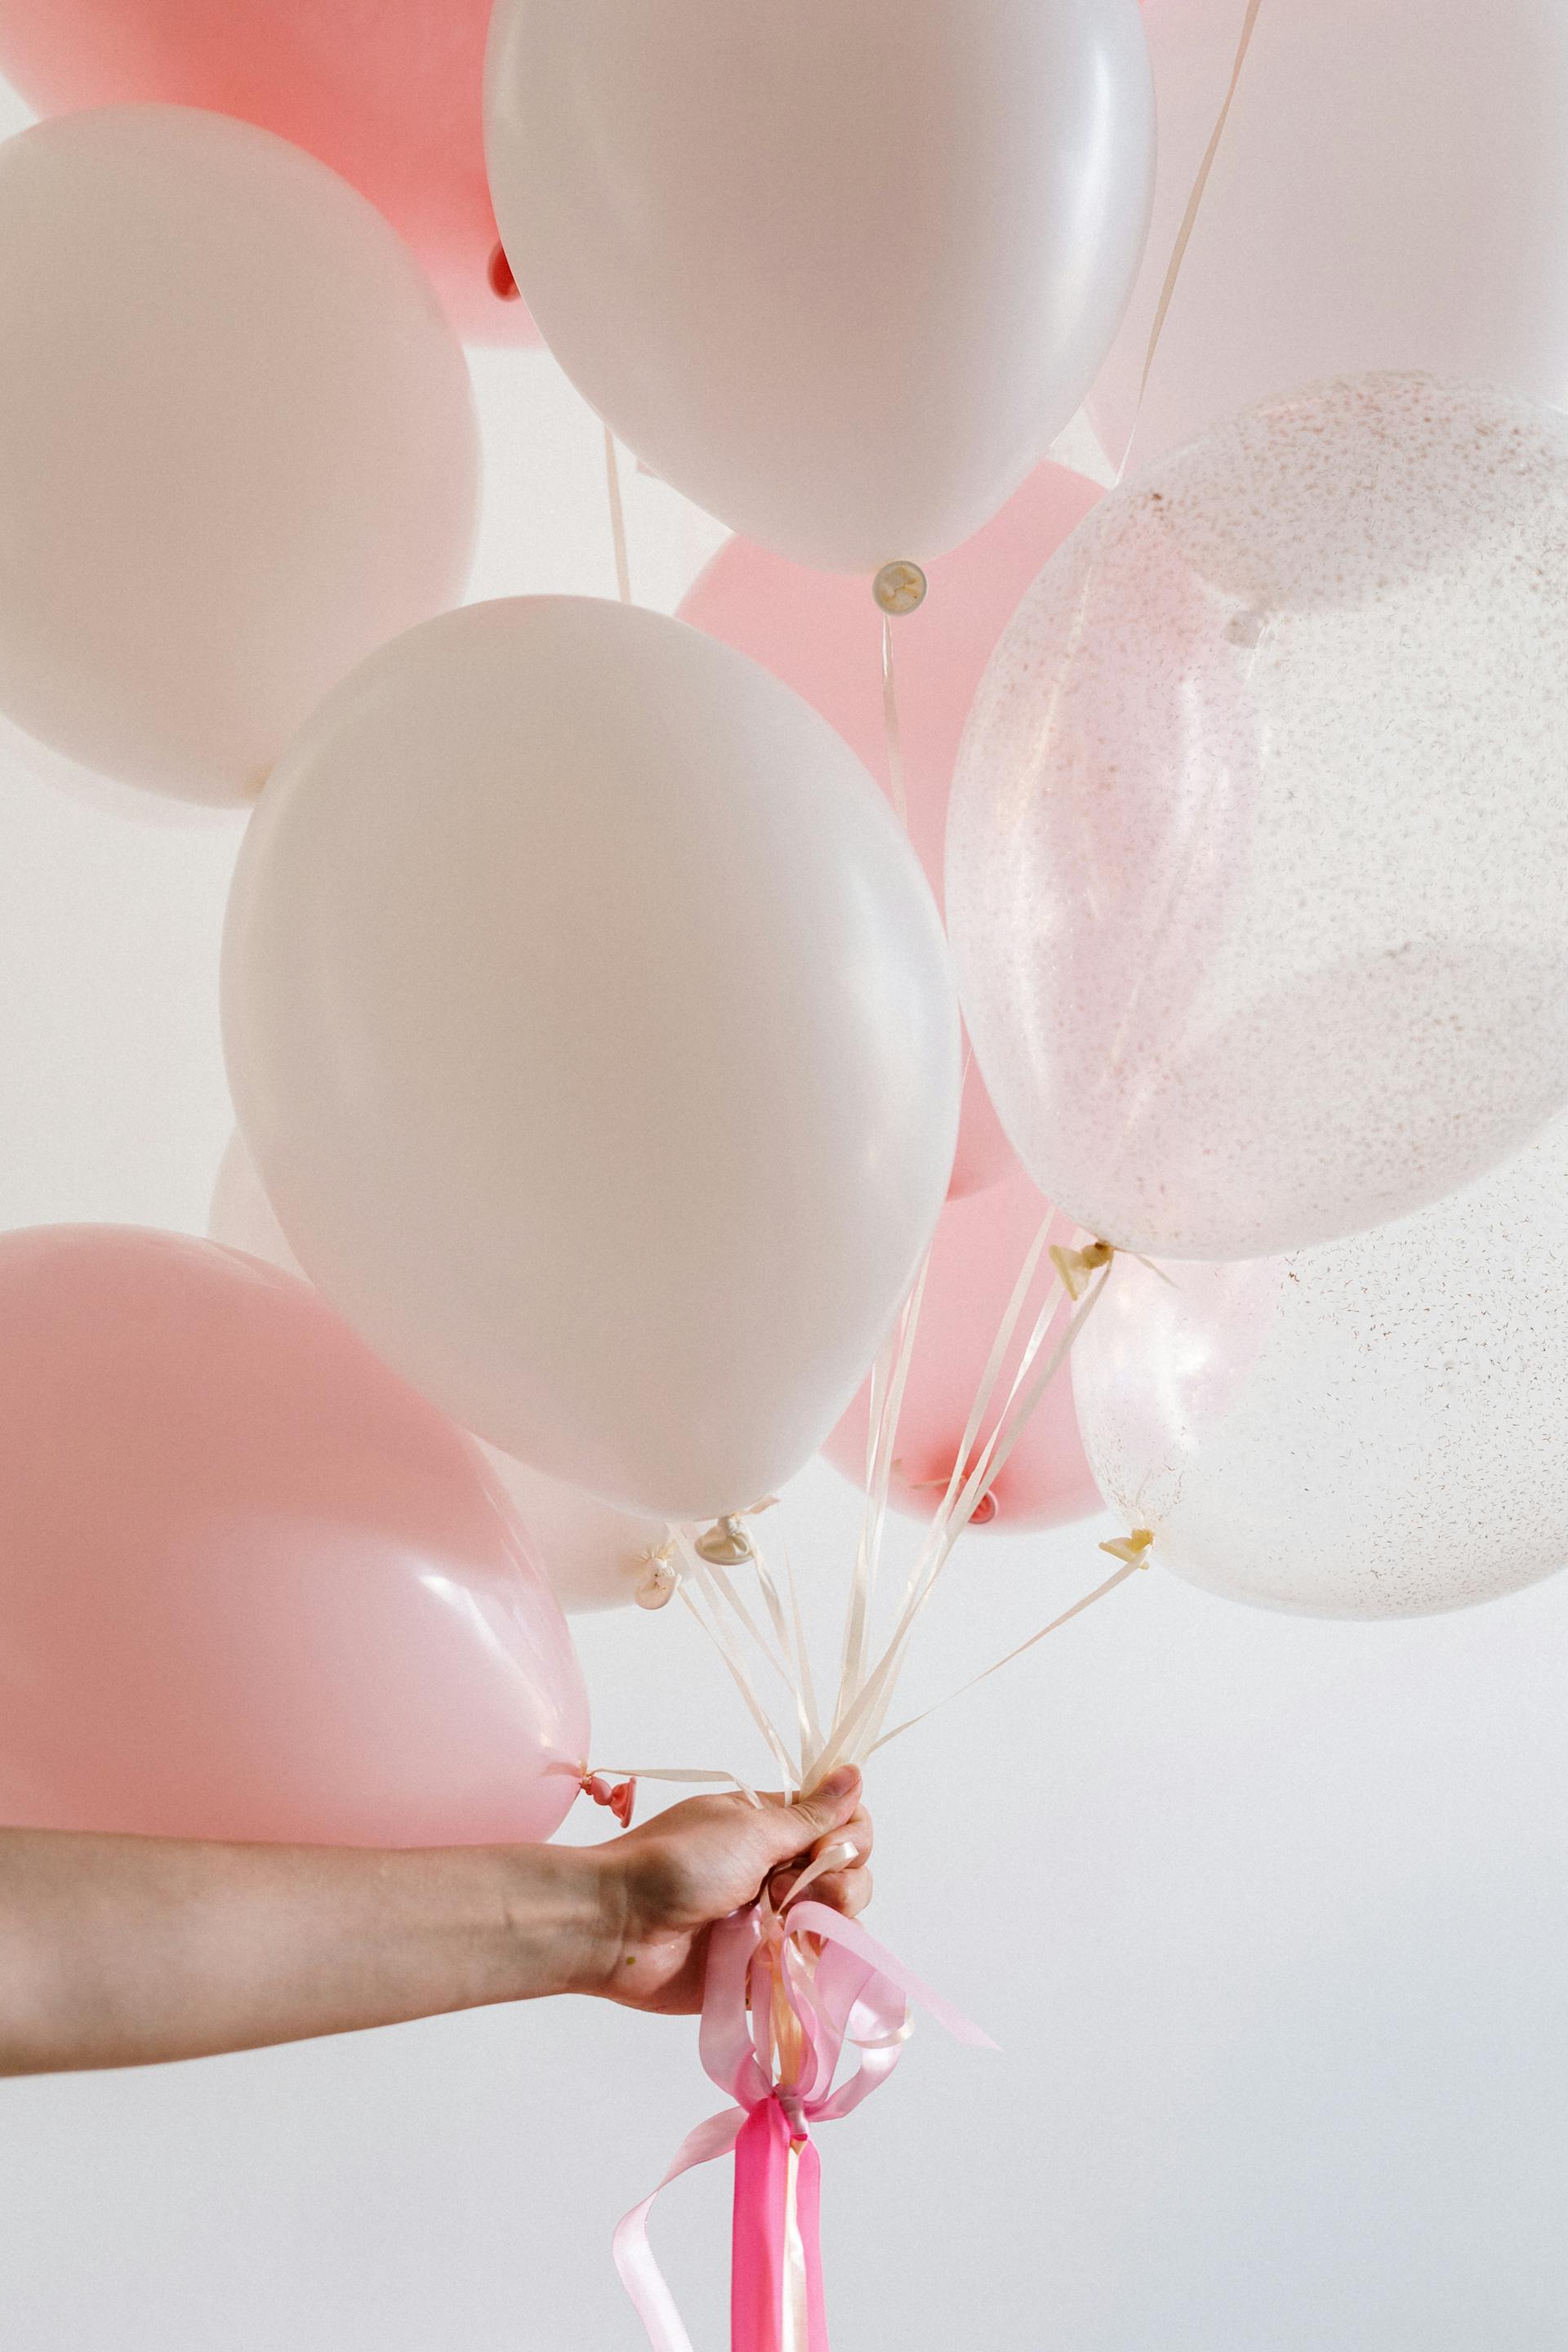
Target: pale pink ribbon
{"points": [[777, 2014]]}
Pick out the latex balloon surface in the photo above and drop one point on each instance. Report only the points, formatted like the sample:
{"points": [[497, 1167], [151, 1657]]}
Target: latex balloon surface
{"points": [[1391, 191], [237, 446], [390, 98], [822, 634], [590, 1023], [841, 275], [979, 1249], [1372, 1429], [591, 1554], [251, 1585], [1258, 864]]}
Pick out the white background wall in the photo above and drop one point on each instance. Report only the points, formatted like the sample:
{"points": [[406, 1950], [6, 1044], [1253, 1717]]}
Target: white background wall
{"points": [[1267, 1915]]}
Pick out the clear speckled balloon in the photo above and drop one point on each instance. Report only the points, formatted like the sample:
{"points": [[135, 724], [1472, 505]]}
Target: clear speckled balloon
{"points": [[1374, 1428], [1257, 858]]}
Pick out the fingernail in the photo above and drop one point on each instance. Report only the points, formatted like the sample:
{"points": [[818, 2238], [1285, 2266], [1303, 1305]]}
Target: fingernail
{"points": [[838, 1784]]}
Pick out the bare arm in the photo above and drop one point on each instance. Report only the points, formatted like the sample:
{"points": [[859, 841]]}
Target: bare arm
{"points": [[121, 1951]]}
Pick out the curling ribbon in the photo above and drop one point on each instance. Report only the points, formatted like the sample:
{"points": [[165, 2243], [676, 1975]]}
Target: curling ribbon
{"points": [[777, 2014]]}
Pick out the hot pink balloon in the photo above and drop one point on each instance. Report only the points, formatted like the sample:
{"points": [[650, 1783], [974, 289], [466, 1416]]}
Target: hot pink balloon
{"points": [[980, 1247], [389, 96], [251, 1585], [822, 634]]}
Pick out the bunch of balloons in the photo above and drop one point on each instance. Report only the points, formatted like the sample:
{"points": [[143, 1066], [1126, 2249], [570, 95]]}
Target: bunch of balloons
{"points": [[603, 1076]]}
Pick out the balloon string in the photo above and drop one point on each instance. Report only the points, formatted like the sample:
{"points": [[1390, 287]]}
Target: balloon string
{"points": [[1189, 218], [890, 725], [617, 518], [1130, 1567]]}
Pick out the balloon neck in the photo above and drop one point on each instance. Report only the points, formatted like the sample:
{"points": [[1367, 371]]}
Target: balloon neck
{"points": [[660, 1576], [725, 1544], [1132, 1551]]}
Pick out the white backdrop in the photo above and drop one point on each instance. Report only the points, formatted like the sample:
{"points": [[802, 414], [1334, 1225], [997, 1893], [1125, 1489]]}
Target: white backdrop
{"points": [[1267, 1915]]}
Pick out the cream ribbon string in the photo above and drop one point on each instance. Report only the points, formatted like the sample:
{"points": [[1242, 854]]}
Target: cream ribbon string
{"points": [[1189, 222], [890, 725], [617, 518]]}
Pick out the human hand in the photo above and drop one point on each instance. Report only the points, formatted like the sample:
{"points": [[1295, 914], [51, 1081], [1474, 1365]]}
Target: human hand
{"points": [[662, 1888]]}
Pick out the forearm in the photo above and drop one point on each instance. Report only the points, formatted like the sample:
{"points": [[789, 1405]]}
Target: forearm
{"points": [[123, 1951]]}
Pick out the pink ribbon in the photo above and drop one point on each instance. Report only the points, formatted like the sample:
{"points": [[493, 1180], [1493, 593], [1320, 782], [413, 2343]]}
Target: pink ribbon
{"points": [[778, 2011]]}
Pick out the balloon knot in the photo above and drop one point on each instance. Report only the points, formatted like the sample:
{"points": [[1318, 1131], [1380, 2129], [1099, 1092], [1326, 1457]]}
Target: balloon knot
{"points": [[1076, 1266], [498, 271], [726, 1543], [619, 1801], [1133, 1548], [660, 1578]]}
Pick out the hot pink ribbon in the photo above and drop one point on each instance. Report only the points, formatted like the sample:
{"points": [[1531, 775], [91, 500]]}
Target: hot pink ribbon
{"points": [[777, 2014]]}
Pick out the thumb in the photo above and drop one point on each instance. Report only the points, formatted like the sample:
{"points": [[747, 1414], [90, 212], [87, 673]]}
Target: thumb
{"points": [[795, 1827]]}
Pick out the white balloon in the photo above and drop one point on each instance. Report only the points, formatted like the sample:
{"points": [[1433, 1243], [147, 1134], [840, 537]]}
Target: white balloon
{"points": [[839, 273], [1257, 852], [590, 1023], [1373, 1429], [1391, 191], [237, 443], [593, 1556]]}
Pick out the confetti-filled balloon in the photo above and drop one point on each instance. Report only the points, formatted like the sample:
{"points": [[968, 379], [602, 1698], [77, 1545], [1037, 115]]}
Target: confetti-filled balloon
{"points": [[1371, 1428], [1257, 861]]}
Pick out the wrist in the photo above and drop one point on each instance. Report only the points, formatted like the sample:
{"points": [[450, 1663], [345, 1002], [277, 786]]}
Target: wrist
{"points": [[564, 1919]]}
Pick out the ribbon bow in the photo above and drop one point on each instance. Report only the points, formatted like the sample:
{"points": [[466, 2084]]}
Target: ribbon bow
{"points": [[785, 1992]]}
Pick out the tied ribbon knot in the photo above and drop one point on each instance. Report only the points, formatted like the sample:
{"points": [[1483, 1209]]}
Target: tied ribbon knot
{"points": [[787, 1991], [1133, 1548]]}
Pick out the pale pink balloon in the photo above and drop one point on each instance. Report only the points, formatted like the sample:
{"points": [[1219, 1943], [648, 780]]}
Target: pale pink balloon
{"points": [[389, 96], [980, 1247], [821, 633], [251, 1585]]}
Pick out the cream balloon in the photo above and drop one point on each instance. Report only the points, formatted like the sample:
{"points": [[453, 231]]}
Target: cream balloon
{"points": [[1373, 1429], [1391, 191], [590, 1023], [591, 1554], [237, 443], [1258, 854], [840, 274]]}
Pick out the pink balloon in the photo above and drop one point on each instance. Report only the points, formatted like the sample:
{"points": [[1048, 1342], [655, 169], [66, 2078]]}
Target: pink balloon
{"points": [[979, 1250], [390, 97], [251, 1585], [822, 634]]}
